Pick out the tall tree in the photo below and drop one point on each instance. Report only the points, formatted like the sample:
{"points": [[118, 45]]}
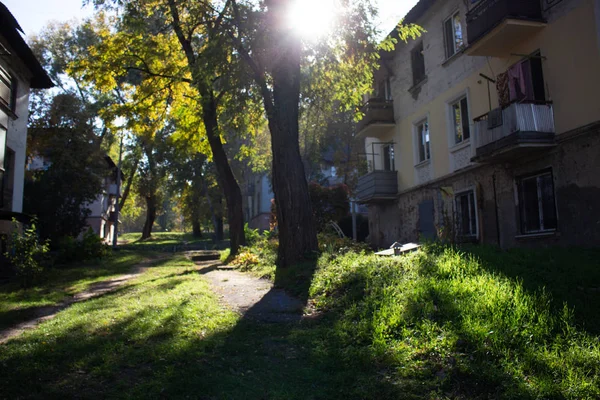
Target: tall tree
{"points": [[182, 41]]}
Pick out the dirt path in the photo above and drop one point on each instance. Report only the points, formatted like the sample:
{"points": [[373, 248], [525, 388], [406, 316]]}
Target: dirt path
{"points": [[95, 290], [252, 297]]}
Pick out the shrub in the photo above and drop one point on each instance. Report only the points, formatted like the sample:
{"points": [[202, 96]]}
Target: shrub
{"points": [[252, 235], [27, 253], [89, 247]]}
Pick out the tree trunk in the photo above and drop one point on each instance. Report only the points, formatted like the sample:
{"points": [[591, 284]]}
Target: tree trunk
{"points": [[128, 185], [196, 228], [150, 217], [295, 220], [225, 178]]}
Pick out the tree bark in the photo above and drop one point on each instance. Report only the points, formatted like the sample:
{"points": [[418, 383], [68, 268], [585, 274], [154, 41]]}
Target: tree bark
{"points": [[196, 228], [225, 178], [128, 184], [150, 217], [295, 220]]}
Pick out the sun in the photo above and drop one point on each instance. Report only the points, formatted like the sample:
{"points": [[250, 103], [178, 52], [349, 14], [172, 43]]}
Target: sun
{"points": [[313, 19]]}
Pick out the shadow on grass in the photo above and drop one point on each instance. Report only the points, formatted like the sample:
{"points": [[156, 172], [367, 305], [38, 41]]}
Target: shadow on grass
{"points": [[571, 276], [159, 352]]}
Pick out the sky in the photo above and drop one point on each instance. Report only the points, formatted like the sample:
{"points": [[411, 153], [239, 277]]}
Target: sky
{"points": [[32, 15]]}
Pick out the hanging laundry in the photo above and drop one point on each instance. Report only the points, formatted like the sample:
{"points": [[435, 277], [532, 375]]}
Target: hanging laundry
{"points": [[502, 89]]}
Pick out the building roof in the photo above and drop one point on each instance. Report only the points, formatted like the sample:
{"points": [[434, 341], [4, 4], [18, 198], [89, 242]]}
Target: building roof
{"points": [[9, 29]]}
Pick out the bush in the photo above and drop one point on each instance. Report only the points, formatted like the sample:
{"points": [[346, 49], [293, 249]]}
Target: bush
{"points": [[27, 254], [252, 235], [89, 247]]}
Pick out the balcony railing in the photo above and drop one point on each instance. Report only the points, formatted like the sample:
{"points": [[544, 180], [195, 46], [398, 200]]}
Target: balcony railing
{"points": [[377, 186], [489, 13], [377, 113], [516, 126]]}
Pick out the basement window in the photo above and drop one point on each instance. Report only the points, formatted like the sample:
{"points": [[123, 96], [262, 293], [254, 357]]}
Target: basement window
{"points": [[537, 206]]}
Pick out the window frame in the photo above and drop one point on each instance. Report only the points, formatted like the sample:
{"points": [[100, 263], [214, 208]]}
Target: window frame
{"points": [[466, 192], [447, 42], [452, 119], [540, 209], [419, 141], [11, 82]]}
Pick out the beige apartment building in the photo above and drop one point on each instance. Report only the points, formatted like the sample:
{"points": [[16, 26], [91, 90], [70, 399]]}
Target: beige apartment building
{"points": [[487, 127]]}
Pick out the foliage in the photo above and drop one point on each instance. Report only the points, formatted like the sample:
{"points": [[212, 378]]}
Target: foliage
{"points": [[59, 193], [329, 204], [252, 235], [27, 253], [258, 258], [89, 247]]}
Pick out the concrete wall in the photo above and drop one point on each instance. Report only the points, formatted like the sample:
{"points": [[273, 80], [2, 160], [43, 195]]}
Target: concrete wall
{"points": [[576, 170], [570, 44]]}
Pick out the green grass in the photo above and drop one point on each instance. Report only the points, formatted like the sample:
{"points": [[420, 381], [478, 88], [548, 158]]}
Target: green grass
{"points": [[58, 284], [162, 238], [436, 324], [445, 326]]}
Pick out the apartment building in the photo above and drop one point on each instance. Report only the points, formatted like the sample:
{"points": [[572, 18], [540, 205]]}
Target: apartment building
{"points": [[20, 71], [487, 128]]}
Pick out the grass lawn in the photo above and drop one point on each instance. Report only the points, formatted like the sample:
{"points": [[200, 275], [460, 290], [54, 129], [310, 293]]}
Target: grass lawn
{"points": [[58, 284], [437, 324], [165, 335], [169, 240]]}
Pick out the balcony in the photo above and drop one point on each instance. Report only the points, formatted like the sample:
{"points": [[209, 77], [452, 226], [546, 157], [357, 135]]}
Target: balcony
{"points": [[494, 27], [519, 130], [378, 118], [377, 186]]}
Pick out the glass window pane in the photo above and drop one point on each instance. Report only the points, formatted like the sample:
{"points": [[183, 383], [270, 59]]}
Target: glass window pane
{"points": [[473, 216], [548, 201], [449, 37], [465, 119], [426, 137], [5, 93], [529, 206], [421, 143], [458, 126], [458, 36]]}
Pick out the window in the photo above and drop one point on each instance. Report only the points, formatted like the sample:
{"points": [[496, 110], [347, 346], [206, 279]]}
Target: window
{"points": [[423, 145], [7, 180], [388, 157], [537, 207], [418, 64], [466, 214], [384, 91], [460, 120], [453, 37], [7, 90]]}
